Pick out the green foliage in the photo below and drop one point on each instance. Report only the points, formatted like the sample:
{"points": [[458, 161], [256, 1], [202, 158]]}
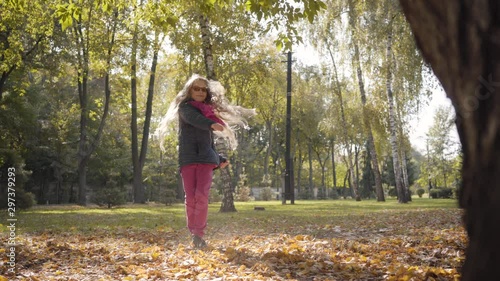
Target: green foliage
{"points": [[215, 196], [333, 194], [443, 192], [420, 192], [169, 197], [25, 200], [110, 196], [279, 12], [392, 192], [40, 111], [13, 177], [442, 162], [305, 194], [367, 182]]}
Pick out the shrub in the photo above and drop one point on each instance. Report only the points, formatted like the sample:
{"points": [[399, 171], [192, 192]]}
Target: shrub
{"points": [[392, 192], [214, 196], [321, 193], [169, 197], [266, 194], [25, 200], [441, 193], [420, 192], [243, 194], [333, 194], [304, 194], [110, 196]]}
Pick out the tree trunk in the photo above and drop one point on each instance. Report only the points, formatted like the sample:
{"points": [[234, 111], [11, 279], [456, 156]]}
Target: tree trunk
{"points": [[346, 134], [459, 39], [227, 185], [227, 204], [268, 150], [82, 144], [207, 47], [85, 149], [138, 188], [366, 118], [139, 157], [368, 127], [404, 171], [403, 147], [334, 172], [322, 164], [311, 184], [299, 170], [392, 121], [357, 149]]}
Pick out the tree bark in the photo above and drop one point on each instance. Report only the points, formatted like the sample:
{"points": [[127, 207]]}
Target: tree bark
{"points": [[368, 129], [83, 66], [227, 185], [334, 170], [459, 39], [299, 169], [366, 118], [207, 47], [227, 204], [311, 184], [322, 164], [85, 148], [269, 126], [404, 171], [392, 121], [344, 128], [138, 188], [139, 156]]}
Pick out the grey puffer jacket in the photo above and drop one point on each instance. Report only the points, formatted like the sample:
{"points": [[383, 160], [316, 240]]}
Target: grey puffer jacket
{"points": [[196, 139]]}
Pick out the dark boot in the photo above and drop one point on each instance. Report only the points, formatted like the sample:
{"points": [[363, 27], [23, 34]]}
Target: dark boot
{"points": [[199, 242]]}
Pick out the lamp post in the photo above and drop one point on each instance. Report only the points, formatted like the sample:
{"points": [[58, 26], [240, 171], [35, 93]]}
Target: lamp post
{"points": [[289, 193]]}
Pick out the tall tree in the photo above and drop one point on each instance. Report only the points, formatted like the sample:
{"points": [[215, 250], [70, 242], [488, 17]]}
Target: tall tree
{"points": [[459, 40], [157, 16], [85, 24], [338, 91], [353, 17], [137, 177], [227, 185], [402, 197], [441, 147]]}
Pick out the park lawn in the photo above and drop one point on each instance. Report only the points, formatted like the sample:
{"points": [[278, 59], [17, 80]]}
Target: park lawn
{"points": [[326, 240]]}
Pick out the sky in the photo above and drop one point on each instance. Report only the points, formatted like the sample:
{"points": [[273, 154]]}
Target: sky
{"points": [[419, 126]]}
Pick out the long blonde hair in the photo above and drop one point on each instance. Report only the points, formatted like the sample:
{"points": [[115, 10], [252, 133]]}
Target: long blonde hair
{"points": [[233, 115]]}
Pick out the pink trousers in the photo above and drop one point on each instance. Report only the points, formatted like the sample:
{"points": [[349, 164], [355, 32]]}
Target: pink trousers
{"points": [[197, 179]]}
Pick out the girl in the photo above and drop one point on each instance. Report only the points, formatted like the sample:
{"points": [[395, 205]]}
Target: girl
{"points": [[201, 110]]}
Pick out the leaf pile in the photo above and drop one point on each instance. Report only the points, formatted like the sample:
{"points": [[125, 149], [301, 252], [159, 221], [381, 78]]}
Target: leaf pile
{"points": [[411, 245]]}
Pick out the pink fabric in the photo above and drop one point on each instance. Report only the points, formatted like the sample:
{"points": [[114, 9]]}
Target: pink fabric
{"points": [[207, 111], [197, 179]]}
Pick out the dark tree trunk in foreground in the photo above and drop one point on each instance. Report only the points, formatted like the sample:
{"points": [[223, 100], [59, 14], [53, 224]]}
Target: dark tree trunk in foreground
{"points": [[461, 41]]}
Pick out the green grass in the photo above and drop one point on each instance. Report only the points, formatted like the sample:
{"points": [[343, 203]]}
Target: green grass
{"points": [[72, 218]]}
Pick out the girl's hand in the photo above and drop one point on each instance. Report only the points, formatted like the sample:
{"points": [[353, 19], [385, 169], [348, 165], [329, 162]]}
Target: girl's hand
{"points": [[223, 164], [217, 127]]}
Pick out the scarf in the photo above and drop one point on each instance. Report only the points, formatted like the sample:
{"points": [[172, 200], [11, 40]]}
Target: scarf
{"points": [[207, 111]]}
